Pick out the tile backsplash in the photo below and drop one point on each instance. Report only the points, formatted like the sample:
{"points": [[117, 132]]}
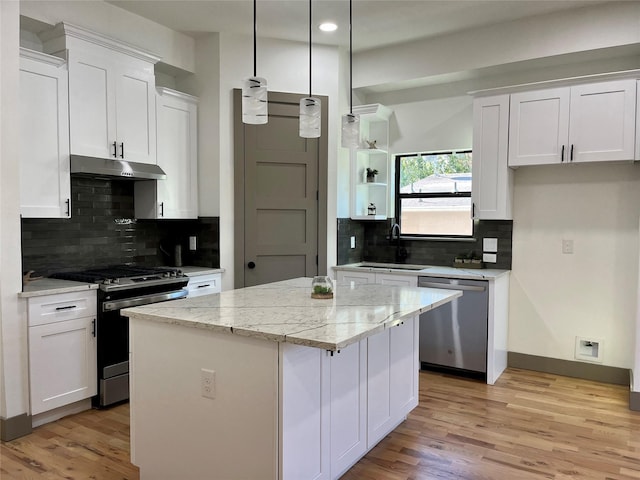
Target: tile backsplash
{"points": [[372, 244], [102, 231]]}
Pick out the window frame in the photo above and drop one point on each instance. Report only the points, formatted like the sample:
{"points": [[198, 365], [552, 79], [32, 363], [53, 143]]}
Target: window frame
{"points": [[399, 196]]}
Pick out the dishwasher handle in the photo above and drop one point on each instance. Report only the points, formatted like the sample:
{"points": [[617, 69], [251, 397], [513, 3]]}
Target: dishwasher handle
{"points": [[448, 286]]}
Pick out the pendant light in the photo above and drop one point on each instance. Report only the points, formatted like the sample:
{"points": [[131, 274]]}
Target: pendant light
{"points": [[310, 108], [350, 122], [254, 90]]}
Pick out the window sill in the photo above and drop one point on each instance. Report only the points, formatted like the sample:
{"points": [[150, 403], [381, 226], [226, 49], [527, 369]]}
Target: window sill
{"points": [[439, 239]]}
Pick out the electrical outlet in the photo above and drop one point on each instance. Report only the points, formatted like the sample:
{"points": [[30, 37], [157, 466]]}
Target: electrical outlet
{"points": [[208, 383], [353, 241], [567, 246]]}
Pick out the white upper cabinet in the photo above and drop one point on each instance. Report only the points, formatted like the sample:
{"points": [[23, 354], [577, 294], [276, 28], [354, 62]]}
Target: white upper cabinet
{"points": [[603, 121], [45, 190], [111, 95], [539, 127], [492, 180], [583, 123], [177, 135], [371, 196]]}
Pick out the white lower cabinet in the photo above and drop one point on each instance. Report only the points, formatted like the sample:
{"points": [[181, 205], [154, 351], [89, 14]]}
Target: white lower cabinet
{"points": [[392, 381], [348, 400], [344, 276], [204, 284], [336, 407], [62, 349]]}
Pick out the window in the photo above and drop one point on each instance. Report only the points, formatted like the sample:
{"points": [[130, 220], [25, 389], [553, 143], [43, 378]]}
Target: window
{"points": [[433, 194]]}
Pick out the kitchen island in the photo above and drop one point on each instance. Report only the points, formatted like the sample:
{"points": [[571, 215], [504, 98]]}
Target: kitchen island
{"points": [[267, 383]]}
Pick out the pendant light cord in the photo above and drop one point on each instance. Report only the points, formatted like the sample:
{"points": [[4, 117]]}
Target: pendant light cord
{"points": [[254, 39], [309, 48], [350, 58]]}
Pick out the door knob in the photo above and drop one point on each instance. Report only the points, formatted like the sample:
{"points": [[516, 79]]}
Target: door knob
{"points": [[251, 265]]}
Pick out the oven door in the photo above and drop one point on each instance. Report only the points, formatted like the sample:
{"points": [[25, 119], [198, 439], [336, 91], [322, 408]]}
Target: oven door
{"points": [[113, 343]]}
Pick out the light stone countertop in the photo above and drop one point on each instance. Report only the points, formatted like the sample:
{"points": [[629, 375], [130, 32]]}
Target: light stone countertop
{"points": [[423, 270], [53, 286], [285, 312], [192, 270]]}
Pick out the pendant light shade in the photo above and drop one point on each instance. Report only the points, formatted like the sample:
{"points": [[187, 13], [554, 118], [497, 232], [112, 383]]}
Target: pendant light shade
{"points": [[350, 130], [254, 90], [310, 107], [254, 101], [350, 121]]}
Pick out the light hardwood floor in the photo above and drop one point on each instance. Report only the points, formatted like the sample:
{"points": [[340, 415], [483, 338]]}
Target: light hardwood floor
{"points": [[528, 426]]}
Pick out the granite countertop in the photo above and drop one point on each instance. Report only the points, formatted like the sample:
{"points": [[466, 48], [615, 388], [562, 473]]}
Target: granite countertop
{"points": [[285, 312], [192, 270], [53, 286], [424, 270]]}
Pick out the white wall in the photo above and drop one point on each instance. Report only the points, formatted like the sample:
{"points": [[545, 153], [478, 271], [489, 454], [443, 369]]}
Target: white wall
{"points": [[175, 48], [557, 34], [13, 329], [592, 292]]}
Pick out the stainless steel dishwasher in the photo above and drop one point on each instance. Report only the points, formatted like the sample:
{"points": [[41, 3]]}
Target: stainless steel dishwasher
{"points": [[454, 336]]}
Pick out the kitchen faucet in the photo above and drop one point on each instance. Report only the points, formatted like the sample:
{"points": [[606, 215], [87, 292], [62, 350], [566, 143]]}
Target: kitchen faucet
{"points": [[394, 239]]}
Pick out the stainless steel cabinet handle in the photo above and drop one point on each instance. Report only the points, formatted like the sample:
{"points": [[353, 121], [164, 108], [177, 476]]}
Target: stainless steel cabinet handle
{"points": [[204, 286], [68, 307], [562, 154], [93, 327], [122, 150], [572, 152], [115, 149], [162, 209], [446, 286], [68, 204]]}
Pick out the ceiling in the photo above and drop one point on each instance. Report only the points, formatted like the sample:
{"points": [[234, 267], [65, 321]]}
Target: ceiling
{"points": [[376, 23]]}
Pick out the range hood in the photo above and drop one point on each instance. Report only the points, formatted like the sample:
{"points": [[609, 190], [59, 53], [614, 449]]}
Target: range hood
{"points": [[115, 169]]}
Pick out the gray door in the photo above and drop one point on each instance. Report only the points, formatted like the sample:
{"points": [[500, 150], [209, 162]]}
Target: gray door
{"points": [[280, 194]]}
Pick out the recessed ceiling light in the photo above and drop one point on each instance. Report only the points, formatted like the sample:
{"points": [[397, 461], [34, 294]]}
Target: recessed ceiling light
{"points": [[328, 27]]}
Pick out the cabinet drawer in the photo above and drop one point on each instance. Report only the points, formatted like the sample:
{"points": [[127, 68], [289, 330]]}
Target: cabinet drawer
{"points": [[204, 284], [61, 307]]}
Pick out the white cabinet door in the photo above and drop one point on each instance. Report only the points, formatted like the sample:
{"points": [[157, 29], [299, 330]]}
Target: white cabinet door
{"points": [[379, 412], [177, 154], [111, 105], [356, 277], [348, 397], [492, 179], [45, 188], [395, 279], [403, 368], [135, 114], [603, 121], [91, 105], [392, 378], [62, 363], [304, 374], [539, 127]]}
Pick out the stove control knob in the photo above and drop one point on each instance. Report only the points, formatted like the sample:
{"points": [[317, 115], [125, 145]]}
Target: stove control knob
{"points": [[116, 280], [106, 281]]}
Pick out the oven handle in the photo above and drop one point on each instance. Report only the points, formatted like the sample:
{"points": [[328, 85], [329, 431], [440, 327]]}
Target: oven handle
{"points": [[143, 300]]}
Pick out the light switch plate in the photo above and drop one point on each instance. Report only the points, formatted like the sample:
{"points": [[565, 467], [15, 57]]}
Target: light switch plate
{"points": [[489, 257], [353, 241], [489, 244]]}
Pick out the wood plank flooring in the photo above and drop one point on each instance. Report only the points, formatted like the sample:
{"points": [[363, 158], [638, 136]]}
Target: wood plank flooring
{"points": [[529, 425]]}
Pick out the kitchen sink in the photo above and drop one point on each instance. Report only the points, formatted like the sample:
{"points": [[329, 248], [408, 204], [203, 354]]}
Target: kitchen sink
{"points": [[393, 266]]}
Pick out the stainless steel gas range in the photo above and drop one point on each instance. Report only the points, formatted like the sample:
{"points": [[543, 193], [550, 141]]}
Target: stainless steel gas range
{"points": [[122, 286]]}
